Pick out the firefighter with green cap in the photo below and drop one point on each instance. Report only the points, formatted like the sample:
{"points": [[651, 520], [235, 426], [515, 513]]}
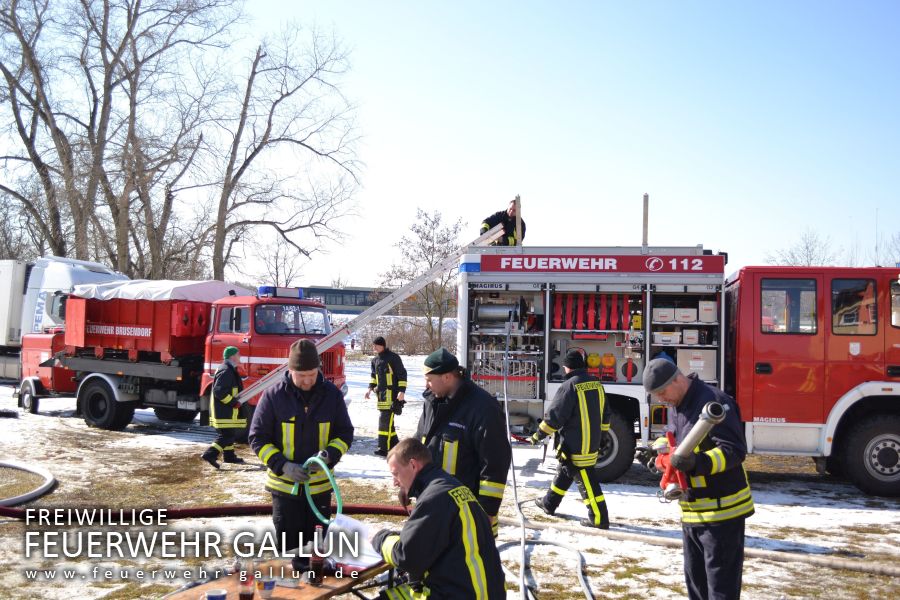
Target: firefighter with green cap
{"points": [[225, 410]]}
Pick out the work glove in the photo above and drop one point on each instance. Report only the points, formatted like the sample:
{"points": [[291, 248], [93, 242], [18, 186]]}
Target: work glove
{"points": [[397, 406], [295, 472], [323, 455], [685, 464]]}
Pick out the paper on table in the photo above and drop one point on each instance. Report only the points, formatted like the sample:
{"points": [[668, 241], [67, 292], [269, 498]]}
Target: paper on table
{"points": [[355, 533]]}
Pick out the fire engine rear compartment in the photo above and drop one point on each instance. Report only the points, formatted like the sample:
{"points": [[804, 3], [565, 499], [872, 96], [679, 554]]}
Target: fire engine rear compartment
{"points": [[620, 306]]}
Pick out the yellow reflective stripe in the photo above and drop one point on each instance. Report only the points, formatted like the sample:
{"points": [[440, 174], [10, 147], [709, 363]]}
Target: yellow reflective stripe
{"points": [[389, 376], [218, 447], [718, 460], [473, 555], [585, 420], [287, 439], [714, 516], [713, 503], [698, 481], [226, 399], [373, 382], [489, 488], [585, 460], [556, 490], [274, 482], [448, 460], [591, 500], [387, 549], [546, 428], [267, 452], [319, 488], [390, 434], [604, 427], [324, 430], [340, 444], [401, 384]]}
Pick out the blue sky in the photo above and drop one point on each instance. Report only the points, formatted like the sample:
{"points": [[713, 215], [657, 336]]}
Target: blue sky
{"points": [[746, 123]]}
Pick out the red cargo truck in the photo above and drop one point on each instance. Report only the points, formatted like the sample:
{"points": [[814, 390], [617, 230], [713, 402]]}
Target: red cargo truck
{"points": [[157, 344]]}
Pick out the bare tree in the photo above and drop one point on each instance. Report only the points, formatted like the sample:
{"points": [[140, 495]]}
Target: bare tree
{"points": [[281, 263], [107, 117], [810, 250], [430, 242], [291, 113]]}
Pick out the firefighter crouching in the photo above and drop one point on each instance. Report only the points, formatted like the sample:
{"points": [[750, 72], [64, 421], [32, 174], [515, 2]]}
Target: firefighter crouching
{"points": [[575, 416], [389, 383], [225, 410], [718, 495], [462, 426], [446, 547], [303, 415]]}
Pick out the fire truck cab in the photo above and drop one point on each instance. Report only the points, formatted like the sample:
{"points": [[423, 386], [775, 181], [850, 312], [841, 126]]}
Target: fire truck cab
{"points": [[813, 359]]}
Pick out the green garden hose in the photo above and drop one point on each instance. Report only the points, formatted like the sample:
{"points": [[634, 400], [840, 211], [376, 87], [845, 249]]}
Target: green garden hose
{"points": [[337, 493]]}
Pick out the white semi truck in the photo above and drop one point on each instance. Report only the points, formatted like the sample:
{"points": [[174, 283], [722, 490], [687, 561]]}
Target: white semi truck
{"points": [[31, 299]]}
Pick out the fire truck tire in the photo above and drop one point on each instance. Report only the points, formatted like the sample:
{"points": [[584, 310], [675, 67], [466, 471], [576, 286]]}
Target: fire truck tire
{"points": [[100, 408], [872, 455], [29, 401], [175, 415], [613, 463]]}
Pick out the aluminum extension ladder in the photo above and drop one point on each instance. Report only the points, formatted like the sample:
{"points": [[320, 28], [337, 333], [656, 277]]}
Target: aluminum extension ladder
{"points": [[385, 304]]}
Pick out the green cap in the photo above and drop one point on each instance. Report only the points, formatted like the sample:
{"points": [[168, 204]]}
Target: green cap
{"points": [[229, 352], [440, 361]]}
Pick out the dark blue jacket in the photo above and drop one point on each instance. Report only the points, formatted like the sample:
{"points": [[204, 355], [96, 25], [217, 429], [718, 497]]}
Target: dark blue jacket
{"points": [[290, 425], [719, 489]]}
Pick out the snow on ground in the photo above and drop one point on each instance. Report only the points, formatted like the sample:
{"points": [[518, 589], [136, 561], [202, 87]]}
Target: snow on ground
{"points": [[796, 511]]}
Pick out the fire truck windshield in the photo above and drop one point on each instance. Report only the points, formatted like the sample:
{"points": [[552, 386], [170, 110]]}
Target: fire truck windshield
{"points": [[291, 319]]}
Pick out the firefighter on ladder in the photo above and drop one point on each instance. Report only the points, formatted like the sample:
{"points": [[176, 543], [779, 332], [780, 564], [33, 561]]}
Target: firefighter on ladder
{"points": [[576, 417], [508, 218], [389, 384], [225, 410]]}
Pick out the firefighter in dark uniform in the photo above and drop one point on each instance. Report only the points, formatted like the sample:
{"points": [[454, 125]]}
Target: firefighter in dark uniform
{"points": [[389, 383], [718, 499], [575, 417], [304, 415], [508, 218], [446, 546], [462, 426], [225, 410]]}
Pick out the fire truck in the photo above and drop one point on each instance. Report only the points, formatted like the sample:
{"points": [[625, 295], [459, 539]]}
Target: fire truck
{"points": [[812, 355], [157, 344]]}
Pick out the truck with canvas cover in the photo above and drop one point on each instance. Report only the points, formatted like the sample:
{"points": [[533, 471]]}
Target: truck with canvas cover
{"points": [[157, 344]]}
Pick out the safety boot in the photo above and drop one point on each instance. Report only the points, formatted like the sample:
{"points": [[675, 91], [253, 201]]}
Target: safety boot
{"points": [[550, 510], [380, 452], [232, 458], [211, 455], [590, 523]]}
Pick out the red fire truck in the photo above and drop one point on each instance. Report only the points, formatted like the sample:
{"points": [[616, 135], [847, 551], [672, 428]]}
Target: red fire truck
{"points": [[136, 344], [812, 355]]}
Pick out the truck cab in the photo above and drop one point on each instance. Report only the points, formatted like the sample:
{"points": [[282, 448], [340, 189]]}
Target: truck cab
{"points": [[813, 360], [262, 328]]}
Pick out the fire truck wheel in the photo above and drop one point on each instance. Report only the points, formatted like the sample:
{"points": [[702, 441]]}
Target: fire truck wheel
{"points": [[100, 408], [872, 458], [175, 415], [613, 463], [29, 401]]}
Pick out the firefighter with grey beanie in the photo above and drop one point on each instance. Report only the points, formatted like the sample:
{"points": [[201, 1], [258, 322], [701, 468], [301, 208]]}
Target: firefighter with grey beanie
{"points": [[300, 417], [388, 381], [718, 498], [224, 409], [575, 417]]}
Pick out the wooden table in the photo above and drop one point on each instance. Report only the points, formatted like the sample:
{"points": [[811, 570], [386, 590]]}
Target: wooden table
{"points": [[330, 587]]}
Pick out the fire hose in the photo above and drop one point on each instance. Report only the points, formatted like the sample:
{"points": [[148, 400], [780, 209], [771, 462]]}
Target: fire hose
{"points": [[674, 482]]}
